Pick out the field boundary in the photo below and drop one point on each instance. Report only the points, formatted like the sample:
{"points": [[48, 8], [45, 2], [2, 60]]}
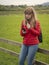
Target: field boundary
{"points": [[40, 50]]}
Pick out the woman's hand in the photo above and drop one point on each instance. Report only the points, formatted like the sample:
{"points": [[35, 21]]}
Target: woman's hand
{"points": [[23, 31], [28, 26]]}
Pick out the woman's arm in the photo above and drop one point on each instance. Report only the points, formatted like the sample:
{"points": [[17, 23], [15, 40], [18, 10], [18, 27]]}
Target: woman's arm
{"points": [[23, 30]]}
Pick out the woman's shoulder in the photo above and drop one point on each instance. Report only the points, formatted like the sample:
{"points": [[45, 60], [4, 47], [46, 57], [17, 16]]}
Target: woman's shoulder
{"points": [[23, 22], [37, 22]]}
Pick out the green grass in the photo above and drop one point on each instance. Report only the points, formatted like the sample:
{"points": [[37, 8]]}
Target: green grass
{"points": [[7, 59], [10, 29], [44, 20], [10, 47]]}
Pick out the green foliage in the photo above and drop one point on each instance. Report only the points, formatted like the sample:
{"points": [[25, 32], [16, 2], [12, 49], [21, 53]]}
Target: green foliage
{"points": [[12, 9]]}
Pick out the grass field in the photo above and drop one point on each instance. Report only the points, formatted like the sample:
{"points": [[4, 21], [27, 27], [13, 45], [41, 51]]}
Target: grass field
{"points": [[10, 28]]}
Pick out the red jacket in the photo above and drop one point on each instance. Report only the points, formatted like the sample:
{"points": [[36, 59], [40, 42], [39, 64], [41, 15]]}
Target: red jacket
{"points": [[31, 35]]}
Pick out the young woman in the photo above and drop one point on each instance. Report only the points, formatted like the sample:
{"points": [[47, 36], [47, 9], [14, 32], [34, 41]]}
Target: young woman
{"points": [[30, 29]]}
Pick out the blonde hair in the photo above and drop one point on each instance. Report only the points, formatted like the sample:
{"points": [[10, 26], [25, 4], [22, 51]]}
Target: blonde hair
{"points": [[31, 10]]}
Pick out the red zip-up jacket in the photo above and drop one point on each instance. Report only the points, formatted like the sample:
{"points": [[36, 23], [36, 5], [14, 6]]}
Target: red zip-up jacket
{"points": [[31, 35]]}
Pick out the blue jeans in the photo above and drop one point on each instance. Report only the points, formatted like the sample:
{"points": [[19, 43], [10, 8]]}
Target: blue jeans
{"points": [[28, 51]]}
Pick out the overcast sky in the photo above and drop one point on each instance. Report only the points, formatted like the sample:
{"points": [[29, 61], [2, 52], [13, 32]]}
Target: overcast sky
{"points": [[22, 2]]}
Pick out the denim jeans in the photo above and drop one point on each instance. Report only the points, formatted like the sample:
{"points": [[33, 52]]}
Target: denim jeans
{"points": [[28, 51]]}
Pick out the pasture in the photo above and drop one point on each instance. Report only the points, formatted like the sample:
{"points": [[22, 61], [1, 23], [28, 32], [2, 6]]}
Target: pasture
{"points": [[10, 29]]}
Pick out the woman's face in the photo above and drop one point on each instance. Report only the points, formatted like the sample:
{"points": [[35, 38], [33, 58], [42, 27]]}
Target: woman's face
{"points": [[28, 16]]}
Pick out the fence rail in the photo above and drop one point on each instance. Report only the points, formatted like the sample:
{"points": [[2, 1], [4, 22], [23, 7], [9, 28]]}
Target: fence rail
{"points": [[40, 50]]}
